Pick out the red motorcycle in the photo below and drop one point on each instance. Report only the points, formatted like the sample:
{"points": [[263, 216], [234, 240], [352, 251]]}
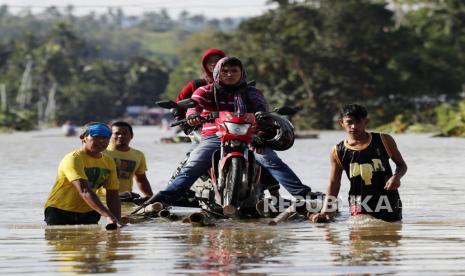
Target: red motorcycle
{"points": [[235, 174], [234, 186]]}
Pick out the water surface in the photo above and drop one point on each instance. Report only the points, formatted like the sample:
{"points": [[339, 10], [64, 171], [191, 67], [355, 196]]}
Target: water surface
{"points": [[430, 239]]}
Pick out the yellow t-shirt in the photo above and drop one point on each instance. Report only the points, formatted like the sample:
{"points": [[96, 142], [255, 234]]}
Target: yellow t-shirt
{"points": [[99, 172], [128, 163]]}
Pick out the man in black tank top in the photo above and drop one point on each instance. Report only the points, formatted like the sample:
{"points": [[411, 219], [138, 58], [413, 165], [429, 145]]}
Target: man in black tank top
{"points": [[364, 156]]}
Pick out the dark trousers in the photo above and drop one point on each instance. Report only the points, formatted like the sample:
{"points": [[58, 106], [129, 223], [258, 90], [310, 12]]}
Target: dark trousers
{"points": [[55, 216]]}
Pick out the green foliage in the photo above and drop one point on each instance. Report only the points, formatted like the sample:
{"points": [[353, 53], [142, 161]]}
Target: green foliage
{"points": [[321, 57], [399, 125], [315, 55], [451, 119], [18, 120], [189, 55], [86, 88]]}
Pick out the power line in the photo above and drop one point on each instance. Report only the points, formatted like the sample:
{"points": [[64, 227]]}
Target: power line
{"points": [[194, 7], [137, 6]]}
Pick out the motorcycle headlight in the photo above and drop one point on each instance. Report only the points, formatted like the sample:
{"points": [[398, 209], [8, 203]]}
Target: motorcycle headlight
{"points": [[237, 129]]}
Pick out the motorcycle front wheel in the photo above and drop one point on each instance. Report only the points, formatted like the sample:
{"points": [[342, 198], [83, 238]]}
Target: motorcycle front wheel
{"points": [[233, 181]]}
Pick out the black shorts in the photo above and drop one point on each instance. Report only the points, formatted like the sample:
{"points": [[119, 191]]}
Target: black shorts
{"points": [[55, 216]]}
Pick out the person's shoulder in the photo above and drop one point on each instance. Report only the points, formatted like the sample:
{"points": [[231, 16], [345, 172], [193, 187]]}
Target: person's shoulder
{"points": [[198, 83], [252, 91], [112, 150], [204, 90], [252, 88], [382, 134], [77, 153], [385, 137], [72, 157], [136, 151], [341, 142], [108, 152], [108, 159], [113, 153], [387, 140], [206, 87]]}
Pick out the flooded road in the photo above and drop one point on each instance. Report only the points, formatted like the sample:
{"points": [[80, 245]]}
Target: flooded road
{"points": [[430, 240]]}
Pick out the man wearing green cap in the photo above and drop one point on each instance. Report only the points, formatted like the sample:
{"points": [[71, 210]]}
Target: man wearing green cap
{"points": [[82, 171]]}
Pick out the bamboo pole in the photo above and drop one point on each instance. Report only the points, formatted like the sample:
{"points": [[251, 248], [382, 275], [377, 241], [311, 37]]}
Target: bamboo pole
{"points": [[284, 215]]}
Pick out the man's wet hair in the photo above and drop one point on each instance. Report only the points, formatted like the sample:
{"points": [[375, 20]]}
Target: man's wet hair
{"points": [[355, 111], [123, 124]]}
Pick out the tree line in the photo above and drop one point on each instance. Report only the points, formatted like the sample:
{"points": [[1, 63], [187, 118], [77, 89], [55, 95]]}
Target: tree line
{"points": [[403, 60]]}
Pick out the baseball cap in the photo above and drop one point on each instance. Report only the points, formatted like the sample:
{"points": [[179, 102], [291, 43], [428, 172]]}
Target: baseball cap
{"points": [[97, 130]]}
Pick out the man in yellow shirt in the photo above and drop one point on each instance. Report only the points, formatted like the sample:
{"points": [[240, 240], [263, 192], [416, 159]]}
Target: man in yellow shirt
{"points": [[80, 173], [130, 163]]}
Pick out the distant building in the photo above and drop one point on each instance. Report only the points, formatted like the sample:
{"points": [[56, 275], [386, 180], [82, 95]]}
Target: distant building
{"points": [[143, 115]]}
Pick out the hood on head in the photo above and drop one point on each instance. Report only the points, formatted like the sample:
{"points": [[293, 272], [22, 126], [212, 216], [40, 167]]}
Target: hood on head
{"points": [[209, 52], [217, 70]]}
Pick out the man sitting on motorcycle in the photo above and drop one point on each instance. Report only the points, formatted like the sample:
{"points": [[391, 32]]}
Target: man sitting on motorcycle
{"points": [[228, 92], [209, 59]]}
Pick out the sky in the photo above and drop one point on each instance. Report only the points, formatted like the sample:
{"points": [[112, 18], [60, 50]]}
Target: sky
{"points": [[208, 8]]}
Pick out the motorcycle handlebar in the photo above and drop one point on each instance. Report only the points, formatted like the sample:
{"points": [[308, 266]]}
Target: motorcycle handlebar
{"points": [[215, 115], [202, 120], [177, 123]]}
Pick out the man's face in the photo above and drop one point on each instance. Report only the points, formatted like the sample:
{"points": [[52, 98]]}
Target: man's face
{"points": [[120, 136], [353, 126], [230, 75], [96, 144], [211, 61]]}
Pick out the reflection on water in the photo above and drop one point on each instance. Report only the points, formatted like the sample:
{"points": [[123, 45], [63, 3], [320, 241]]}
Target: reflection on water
{"points": [[370, 242], [430, 240], [86, 249], [228, 250]]}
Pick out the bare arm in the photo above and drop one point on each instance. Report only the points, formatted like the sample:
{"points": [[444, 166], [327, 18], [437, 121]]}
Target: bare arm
{"points": [[401, 167], [332, 191], [143, 184], [92, 199], [114, 203]]}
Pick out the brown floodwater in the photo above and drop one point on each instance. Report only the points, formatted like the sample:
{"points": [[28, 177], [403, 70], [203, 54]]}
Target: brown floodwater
{"points": [[430, 240]]}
